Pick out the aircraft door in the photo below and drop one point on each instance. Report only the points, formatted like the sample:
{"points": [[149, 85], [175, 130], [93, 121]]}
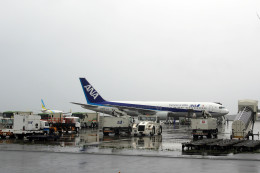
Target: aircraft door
{"points": [[210, 108]]}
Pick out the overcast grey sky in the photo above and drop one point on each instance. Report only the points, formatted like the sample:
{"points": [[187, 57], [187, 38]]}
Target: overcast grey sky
{"points": [[147, 50]]}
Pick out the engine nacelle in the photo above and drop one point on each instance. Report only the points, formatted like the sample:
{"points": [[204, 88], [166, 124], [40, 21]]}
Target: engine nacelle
{"points": [[163, 115]]}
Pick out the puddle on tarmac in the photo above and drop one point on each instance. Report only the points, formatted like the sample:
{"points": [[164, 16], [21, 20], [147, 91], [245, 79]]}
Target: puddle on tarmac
{"points": [[93, 141]]}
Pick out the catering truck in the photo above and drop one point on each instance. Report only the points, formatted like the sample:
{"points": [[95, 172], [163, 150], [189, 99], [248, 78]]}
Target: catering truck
{"points": [[116, 125], [22, 125], [204, 126]]}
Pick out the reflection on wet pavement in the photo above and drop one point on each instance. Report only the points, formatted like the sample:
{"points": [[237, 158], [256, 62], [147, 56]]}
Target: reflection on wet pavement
{"points": [[93, 141]]}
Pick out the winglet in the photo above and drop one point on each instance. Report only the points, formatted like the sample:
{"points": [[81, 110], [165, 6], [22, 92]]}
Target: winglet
{"points": [[92, 96]]}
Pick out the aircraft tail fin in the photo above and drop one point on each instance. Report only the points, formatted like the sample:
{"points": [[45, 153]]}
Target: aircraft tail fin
{"points": [[43, 105], [92, 96]]}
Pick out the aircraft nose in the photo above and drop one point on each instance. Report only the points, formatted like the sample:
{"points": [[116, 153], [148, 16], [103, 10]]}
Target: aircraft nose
{"points": [[226, 111]]}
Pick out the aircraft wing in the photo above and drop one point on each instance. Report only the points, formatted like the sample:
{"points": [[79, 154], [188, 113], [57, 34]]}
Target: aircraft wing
{"points": [[84, 105], [139, 110]]}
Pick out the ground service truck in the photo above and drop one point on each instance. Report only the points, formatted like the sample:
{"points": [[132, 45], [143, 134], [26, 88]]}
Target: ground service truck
{"points": [[61, 123], [205, 126], [115, 125], [89, 120], [23, 125]]}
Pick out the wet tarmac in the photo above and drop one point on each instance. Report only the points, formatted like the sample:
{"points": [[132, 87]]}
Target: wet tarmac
{"points": [[49, 162], [92, 152]]}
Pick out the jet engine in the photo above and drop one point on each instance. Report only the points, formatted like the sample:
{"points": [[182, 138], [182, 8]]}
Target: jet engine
{"points": [[162, 115]]}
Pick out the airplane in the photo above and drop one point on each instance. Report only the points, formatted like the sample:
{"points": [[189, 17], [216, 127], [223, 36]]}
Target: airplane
{"points": [[45, 110], [164, 110]]}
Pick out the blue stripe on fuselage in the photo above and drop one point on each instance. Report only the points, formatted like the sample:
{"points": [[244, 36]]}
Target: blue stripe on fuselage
{"points": [[148, 107]]}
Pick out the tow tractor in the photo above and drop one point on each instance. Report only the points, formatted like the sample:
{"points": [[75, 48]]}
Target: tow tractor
{"points": [[147, 125]]}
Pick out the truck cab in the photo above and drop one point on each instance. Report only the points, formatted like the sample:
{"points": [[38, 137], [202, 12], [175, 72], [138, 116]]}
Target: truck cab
{"points": [[44, 125], [73, 120], [147, 125]]}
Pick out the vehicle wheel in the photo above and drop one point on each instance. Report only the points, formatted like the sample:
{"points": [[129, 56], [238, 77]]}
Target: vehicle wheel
{"points": [[153, 132], [105, 134], [51, 131], [195, 137], [20, 136], [117, 131], [209, 136], [130, 129], [160, 130], [12, 137]]}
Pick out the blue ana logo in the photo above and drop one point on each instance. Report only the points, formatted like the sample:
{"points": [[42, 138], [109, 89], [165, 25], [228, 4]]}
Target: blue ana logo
{"points": [[198, 105], [91, 91], [120, 122]]}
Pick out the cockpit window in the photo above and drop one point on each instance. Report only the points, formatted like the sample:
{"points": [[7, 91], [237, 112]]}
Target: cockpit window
{"points": [[221, 107]]}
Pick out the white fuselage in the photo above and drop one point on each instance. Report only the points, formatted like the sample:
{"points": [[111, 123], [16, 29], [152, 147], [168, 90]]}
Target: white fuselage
{"points": [[51, 111], [178, 109]]}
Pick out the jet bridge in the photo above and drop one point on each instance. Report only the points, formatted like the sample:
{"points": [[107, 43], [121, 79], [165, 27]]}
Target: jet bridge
{"points": [[243, 124]]}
